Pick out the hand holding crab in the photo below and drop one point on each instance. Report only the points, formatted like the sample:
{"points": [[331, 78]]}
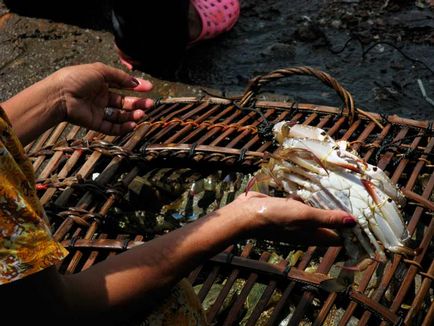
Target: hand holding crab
{"points": [[289, 220]]}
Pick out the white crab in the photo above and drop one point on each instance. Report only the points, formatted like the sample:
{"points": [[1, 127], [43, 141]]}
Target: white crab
{"points": [[326, 174]]}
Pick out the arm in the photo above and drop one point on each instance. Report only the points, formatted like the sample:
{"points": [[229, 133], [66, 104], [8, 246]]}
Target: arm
{"points": [[79, 95], [132, 279], [34, 110]]}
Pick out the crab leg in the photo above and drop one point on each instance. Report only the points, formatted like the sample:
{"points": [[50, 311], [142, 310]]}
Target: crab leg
{"points": [[388, 219], [332, 203], [326, 152], [380, 180], [284, 129], [391, 213]]}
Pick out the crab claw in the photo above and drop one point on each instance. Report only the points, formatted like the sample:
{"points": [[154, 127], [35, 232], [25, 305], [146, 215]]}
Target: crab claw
{"points": [[406, 251]]}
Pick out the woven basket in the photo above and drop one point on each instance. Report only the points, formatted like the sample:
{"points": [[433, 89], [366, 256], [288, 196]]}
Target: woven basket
{"points": [[83, 176]]}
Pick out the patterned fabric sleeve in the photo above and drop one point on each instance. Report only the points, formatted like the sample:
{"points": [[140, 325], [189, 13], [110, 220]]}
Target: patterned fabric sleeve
{"points": [[26, 243]]}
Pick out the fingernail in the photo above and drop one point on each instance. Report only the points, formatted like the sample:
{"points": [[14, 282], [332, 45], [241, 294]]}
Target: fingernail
{"points": [[350, 221], [147, 84], [149, 103], [143, 103], [134, 82]]}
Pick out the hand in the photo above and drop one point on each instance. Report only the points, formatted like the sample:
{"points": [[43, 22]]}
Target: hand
{"points": [[88, 101], [289, 220]]}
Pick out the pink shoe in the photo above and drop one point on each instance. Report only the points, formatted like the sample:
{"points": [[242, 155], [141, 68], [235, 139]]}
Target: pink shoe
{"points": [[217, 16]]}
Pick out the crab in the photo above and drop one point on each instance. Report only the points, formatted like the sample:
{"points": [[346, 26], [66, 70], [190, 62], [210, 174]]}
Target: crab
{"points": [[325, 173]]}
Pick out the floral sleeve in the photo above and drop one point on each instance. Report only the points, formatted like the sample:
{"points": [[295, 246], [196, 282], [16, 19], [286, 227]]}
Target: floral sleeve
{"points": [[26, 243]]}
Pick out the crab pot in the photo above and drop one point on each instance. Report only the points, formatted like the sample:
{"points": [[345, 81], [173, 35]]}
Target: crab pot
{"points": [[190, 156]]}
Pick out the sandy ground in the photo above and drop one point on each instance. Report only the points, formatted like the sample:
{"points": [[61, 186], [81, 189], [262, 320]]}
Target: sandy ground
{"points": [[377, 52]]}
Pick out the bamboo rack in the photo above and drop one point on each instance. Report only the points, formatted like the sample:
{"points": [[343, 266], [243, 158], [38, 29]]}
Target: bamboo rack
{"points": [[82, 174]]}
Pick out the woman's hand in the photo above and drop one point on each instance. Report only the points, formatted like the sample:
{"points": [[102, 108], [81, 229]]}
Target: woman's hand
{"points": [[289, 220], [82, 95], [87, 99]]}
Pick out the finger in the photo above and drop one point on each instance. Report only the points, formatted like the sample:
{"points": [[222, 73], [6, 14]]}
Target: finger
{"points": [[116, 129], [119, 116], [119, 79], [129, 102], [143, 85], [316, 217]]}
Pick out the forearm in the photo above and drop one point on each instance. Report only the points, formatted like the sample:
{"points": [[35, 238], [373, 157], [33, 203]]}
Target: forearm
{"points": [[136, 276], [128, 282], [35, 109]]}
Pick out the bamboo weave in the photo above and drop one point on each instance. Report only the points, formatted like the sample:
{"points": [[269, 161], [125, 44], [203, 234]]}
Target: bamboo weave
{"points": [[215, 132]]}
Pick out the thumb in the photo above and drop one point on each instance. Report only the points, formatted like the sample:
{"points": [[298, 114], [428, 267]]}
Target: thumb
{"points": [[330, 218]]}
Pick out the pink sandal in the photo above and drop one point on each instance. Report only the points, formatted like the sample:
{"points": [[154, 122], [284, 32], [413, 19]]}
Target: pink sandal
{"points": [[217, 16]]}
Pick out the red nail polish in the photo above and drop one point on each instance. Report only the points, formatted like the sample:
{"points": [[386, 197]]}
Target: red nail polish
{"points": [[134, 82], [350, 221]]}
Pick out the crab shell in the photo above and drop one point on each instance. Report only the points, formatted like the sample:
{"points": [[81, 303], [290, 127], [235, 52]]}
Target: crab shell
{"points": [[326, 174]]}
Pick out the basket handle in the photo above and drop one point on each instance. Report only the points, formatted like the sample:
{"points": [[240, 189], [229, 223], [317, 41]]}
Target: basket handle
{"points": [[256, 83]]}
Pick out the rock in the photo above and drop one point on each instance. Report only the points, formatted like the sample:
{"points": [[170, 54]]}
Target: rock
{"points": [[281, 50], [308, 32], [336, 23]]}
